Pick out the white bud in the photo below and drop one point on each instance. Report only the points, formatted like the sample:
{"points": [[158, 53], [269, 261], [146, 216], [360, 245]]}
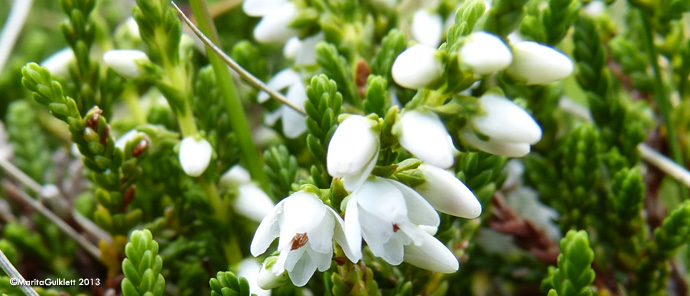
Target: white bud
{"points": [[427, 27], [506, 121], [353, 150], [273, 27], [252, 202], [534, 63], [250, 270], [417, 67], [447, 194], [292, 47], [261, 7], [269, 279], [424, 135], [58, 63], [236, 175], [126, 62], [497, 147], [195, 155], [485, 53]]}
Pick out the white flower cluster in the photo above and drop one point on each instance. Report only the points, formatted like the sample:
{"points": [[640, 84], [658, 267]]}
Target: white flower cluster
{"points": [[396, 221]]}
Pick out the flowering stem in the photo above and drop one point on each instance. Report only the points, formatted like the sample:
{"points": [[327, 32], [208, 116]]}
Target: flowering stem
{"points": [[660, 97], [238, 119]]}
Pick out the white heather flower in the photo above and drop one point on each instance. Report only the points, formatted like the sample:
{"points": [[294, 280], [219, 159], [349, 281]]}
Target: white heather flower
{"points": [[58, 63], [126, 62], [293, 122], [509, 128], [385, 213], [353, 151], [250, 269], [485, 53], [427, 28], [423, 134], [447, 194], [261, 7], [306, 228], [195, 155], [417, 67], [292, 47], [534, 63], [273, 26], [303, 51], [251, 202]]}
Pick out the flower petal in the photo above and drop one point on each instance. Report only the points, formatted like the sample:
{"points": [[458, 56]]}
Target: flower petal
{"points": [[485, 53], [322, 260], [307, 53], [126, 61], [432, 255], [418, 209], [58, 63], [281, 80], [294, 123], [393, 252], [508, 149], [252, 202], [273, 27], [427, 27], [417, 67], [382, 199], [236, 175], [349, 239], [505, 121], [195, 155], [261, 7], [424, 135], [352, 147], [534, 63], [268, 230], [302, 271], [448, 194], [250, 269], [321, 237]]}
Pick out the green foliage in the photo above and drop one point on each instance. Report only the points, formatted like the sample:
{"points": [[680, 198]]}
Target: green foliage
{"points": [[652, 273], [142, 267], [160, 30], [465, 18], [376, 96], [551, 24], [227, 284], [391, 46], [336, 67], [31, 153], [249, 57], [504, 16], [281, 169], [574, 274], [633, 61], [481, 172], [323, 107]]}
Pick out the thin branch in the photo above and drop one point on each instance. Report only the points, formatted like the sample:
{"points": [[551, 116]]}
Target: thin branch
{"points": [[14, 274], [27, 181], [650, 155], [12, 28], [81, 240], [234, 65]]}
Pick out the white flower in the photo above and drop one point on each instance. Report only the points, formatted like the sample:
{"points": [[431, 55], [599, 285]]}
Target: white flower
{"points": [[386, 214], [353, 151], [423, 134], [534, 63], [447, 194], [267, 278], [251, 202], [195, 155], [303, 51], [58, 63], [417, 67], [427, 28], [293, 122], [485, 53], [126, 62], [250, 269], [509, 128], [273, 26], [261, 7], [306, 228]]}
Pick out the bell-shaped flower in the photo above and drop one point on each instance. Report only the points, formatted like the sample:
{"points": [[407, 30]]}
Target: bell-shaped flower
{"points": [[353, 151], [448, 194], [534, 63], [505, 128], [303, 51], [251, 201], [306, 228], [427, 27], [423, 134], [250, 269], [58, 63], [387, 215], [273, 26], [417, 67], [432, 255], [293, 122], [485, 53], [126, 62], [195, 155]]}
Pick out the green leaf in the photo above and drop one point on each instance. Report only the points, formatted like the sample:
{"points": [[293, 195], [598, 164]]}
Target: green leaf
{"points": [[141, 270], [336, 67], [574, 274], [391, 46]]}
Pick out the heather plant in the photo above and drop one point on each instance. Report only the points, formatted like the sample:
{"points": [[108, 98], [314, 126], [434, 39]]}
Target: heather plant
{"points": [[345, 147]]}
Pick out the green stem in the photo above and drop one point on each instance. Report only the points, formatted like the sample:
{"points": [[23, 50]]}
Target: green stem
{"points": [[660, 97], [131, 99], [234, 107]]}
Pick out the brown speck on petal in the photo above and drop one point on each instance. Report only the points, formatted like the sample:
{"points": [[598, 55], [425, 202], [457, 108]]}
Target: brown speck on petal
{"points": [[395, 227], [299, 241]]}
